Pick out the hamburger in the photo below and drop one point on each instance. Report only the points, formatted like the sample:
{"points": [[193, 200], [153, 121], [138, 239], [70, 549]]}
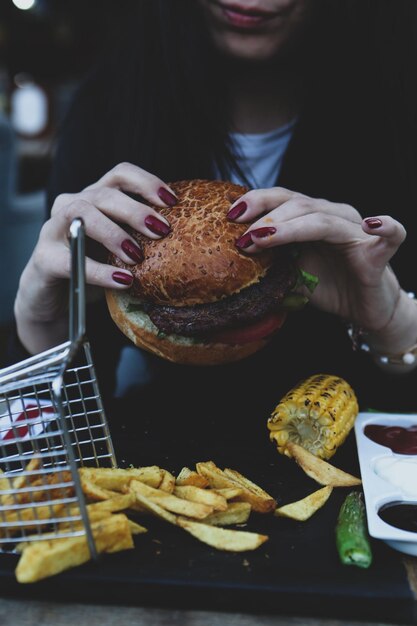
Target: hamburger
{"points": [[196, 299]]}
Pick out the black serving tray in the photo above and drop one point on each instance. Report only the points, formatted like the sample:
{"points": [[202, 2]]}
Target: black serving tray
{"points": [[296, 572]]}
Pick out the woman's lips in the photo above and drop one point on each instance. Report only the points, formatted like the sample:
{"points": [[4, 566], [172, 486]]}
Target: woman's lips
{"points": [[241, 17]]}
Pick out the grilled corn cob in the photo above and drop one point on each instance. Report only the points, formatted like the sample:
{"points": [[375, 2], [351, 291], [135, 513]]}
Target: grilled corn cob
{"points": [[318, 414]]}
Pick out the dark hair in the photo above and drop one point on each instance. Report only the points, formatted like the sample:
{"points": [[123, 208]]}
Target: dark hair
{"points": [[164, 67], [164, 96]]}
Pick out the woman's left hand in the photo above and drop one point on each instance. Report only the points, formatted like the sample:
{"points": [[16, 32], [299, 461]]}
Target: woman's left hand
{"points": [[349, 254]]}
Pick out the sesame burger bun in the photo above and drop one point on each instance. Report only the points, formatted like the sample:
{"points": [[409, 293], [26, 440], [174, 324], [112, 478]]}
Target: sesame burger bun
{"points": [[196, 264]]}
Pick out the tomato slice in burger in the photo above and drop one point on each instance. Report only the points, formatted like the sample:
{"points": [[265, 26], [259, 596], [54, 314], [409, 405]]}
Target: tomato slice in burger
{"points": [[252, 332]]}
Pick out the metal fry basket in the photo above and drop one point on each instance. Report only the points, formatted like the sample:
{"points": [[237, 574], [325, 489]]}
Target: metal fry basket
{"points": [[52, 422]]}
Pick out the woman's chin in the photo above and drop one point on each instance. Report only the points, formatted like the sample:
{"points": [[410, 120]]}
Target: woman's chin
{"points": [[253, 48]]}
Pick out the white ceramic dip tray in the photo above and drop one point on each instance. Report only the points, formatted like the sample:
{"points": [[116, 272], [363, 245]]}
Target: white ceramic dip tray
{"points": [[378, 491]]}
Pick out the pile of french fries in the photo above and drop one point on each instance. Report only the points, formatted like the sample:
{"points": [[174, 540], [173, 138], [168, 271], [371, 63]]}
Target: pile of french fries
{"points": [[200, 501]]}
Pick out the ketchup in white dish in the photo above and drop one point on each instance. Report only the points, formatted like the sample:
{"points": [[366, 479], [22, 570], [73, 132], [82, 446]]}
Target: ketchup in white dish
{"points": [[400, 439], [401, 515]]}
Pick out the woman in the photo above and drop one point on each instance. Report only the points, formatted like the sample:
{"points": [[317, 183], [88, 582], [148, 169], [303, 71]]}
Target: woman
{"points": [[322, 94]]}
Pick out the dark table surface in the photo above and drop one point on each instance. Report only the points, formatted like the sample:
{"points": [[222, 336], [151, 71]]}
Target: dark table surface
{"points": [[51, 613]]}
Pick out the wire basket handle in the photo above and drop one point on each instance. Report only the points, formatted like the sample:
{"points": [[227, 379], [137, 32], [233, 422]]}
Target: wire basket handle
{"points": [[77, 282]]}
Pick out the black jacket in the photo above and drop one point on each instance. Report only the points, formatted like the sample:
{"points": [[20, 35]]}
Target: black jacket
{"points": [[349, 157]]}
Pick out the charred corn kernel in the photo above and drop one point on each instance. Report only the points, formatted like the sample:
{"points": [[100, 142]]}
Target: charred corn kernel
{"points": [[325, 421], [318, 414]]}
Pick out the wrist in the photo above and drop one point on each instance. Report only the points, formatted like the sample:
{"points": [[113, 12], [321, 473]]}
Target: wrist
{"points": [[36, 299], [393, 347], [41, 322], [400, 332]]}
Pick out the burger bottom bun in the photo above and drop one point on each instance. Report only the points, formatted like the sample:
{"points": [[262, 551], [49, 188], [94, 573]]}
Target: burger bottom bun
{"points": [[140, 329]]}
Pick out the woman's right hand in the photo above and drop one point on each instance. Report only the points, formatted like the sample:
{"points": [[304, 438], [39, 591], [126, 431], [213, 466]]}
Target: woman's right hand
{"points": [[42, 298]]}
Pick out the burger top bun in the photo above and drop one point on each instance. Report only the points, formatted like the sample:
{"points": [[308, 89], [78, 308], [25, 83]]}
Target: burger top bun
{"points": [[198, 261]]}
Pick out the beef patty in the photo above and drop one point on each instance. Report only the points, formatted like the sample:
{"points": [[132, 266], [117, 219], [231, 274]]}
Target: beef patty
{"points": [[240, 309]]}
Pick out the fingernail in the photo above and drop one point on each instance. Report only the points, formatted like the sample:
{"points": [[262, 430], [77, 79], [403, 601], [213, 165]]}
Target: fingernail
{"points": [[132, 250], [157, 226], [244, 241], [237, 211], [264, 232], [373, 222], [167, 197], [122, 278]]}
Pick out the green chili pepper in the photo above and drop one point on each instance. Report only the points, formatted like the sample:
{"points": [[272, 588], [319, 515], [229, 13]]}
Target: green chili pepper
{"points": [[352, 539]]}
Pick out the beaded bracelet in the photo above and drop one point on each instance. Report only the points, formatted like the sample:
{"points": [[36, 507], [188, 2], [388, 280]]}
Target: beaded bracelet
{"points": [[409, 357]]}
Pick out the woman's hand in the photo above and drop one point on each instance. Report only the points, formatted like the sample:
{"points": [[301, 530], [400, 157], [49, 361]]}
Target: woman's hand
{"points": [[350, 255], [42, 298]]}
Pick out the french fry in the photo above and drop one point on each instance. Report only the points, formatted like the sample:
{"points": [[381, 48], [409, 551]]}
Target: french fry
{"points": [[5, 482], [100, 510], [14, 516], [22, 479], [191, 478], [6, 499], [20, 547], [94, 492], [222, 538], [319, 470], [210, 464], [302, 510], [117, 503], [185, 507], [23, 482], [229, 492], [236, 513], [196, 501], [156, 494], [136, 529], [62, 480], [73, 525], [19, 481], [66, 527], [19, 519], [231, 540], [116, 479], [204, 496], [214, 475], [259, 500], [99, 494], [47, 558], [168, 482], [172, 503], [153, 507]]}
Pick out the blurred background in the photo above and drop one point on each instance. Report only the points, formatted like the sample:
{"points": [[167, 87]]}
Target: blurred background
{"points": [[46, 47]]}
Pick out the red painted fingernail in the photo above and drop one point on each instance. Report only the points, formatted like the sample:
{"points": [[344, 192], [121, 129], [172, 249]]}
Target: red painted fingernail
{"points": [[122, 278], [157, 226], [132, 250], [237, 211], [244, 241], [167, 197], [373, 222], [264, 232]]}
